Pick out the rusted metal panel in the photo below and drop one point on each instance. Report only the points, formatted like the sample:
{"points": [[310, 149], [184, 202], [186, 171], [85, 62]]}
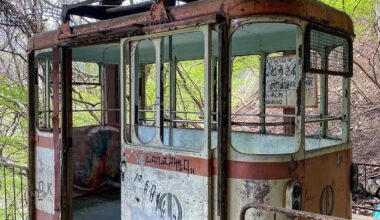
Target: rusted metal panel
{"points": [[328, 192], [309, 10], [111, 95], [67, 135], [56, 129]]}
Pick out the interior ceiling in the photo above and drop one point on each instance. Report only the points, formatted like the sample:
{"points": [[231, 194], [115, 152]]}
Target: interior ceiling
{"points": [[249, 39]]}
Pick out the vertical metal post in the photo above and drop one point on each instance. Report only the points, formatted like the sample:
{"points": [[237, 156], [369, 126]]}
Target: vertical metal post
{"points": [[160, 87], [299, 122], [207, 88], [103, 97], [141, 91], [47, 93], [214, 91], [22, 194], [173, 90], [262, 88], [135, 90], [289, 129], [324, 108], [5, 192], [346, 109], [56, 62], [32, 132], [14, 193], [207, 102], [123, 94], [223, 119], [66, 175]]}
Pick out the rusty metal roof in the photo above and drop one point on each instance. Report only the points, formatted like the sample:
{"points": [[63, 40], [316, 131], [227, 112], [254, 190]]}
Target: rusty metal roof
{"points": [[194, 13]]}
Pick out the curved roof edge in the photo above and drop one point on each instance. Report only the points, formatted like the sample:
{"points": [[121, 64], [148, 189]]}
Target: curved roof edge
{"points": [[196, 13]]}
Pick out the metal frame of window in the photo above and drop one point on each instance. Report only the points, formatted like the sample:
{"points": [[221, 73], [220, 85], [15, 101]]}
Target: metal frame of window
{"points": [[323, 119], [262, 81], [47, 71], [158, 139], [307, 66]]}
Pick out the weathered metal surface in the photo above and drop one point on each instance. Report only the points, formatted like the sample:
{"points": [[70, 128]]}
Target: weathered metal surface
{"points": [[114, 29], [163, 187], [287, 212], [328, 192], [46, 177], [66, 135], [159, 12], [224, 119], [31, 131], [56, 58], [111, 93], [45, 181], [168, 183]]}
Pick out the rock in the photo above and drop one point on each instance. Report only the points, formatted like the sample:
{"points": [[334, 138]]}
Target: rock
{"points": [[377, 181], [372, 188]]}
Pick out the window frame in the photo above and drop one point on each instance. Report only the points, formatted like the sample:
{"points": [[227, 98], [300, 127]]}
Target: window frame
{"points": [[48, 78], [346, 81], [298, 116], [330, 31], [158, 141], [99, 84]]}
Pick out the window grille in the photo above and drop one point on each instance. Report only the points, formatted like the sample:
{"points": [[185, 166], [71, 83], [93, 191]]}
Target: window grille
{"points": [[333, 49]]}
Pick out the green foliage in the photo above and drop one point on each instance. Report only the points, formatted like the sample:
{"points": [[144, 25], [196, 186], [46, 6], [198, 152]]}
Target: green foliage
{"points": [[86, 98], [361, 11], [13, 121], [245, 79]]}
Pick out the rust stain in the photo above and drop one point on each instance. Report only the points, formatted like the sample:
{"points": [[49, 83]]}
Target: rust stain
{"points": [[159, 17]]}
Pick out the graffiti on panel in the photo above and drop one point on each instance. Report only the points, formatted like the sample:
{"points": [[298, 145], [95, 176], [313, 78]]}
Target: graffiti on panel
{"points": [[256, 192], [181, 165], [96, 157], [45, 180], [166, 205]]}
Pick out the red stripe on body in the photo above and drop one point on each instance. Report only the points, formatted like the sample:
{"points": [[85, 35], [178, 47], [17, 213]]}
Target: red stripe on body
{"points": [[41, 215], [45, 142], [202, 167]]}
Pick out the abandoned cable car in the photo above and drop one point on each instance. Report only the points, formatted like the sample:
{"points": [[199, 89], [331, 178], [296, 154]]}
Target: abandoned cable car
{"points": [[191, 111]]}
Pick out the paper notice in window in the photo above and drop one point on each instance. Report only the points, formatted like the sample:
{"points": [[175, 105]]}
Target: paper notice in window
{"points": [[281, 85]]}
